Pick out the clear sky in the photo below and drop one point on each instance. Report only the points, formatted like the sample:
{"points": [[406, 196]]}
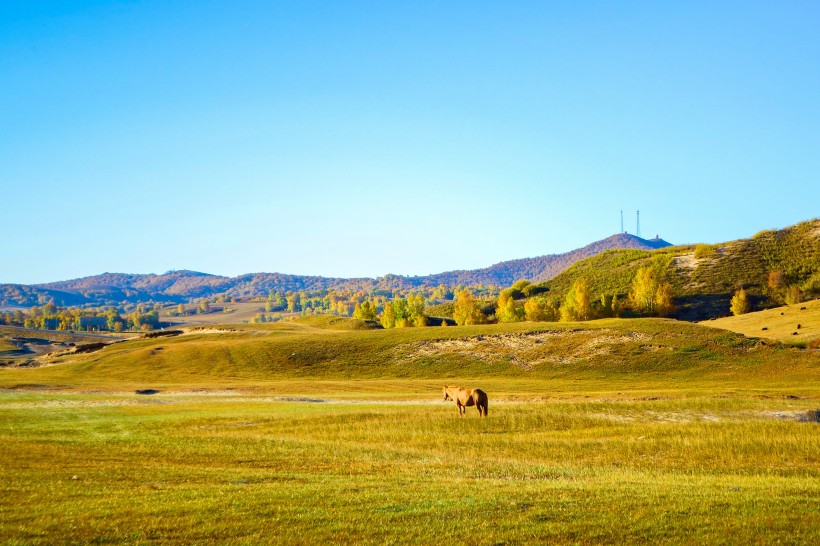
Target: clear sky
{"points": [[362, 138]]}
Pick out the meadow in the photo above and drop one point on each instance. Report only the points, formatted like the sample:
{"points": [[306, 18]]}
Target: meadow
{"points": [[615, 431], [795, 324]]}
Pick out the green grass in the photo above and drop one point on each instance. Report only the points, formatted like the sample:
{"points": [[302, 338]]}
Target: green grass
{"points": [[607, 355], [6, 345], [616, 431], [331, 322], [129, 469]]}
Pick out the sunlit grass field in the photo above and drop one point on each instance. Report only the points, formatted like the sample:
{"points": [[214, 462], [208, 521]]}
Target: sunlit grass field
{"points": [[613, 432], [780, 323]]}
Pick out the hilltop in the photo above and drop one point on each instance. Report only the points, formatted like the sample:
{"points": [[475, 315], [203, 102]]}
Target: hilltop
{"points": [[540, 268], [705, 277], [183, 286]]}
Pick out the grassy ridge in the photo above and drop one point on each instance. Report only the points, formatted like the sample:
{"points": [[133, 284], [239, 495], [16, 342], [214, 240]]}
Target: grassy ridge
{"points": [[607, 353], [703, 287]]}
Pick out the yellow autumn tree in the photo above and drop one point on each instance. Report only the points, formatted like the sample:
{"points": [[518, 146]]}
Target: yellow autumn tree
{"points": [[466, 310], [663, 299], [540, 310], [388, 318], [649, 295], [506, 310], [365, 311], [578, 302], [740, 303]]}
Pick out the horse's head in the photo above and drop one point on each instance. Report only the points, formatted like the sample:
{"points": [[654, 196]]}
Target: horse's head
{"points": [[446, 394]]}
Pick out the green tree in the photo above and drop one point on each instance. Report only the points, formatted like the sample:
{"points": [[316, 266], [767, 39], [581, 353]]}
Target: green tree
{"points": [[294, 302], [740, 303], [415, 310], [180, 310], [402, 313], [204, 306], [113, 318], [606, 305]]}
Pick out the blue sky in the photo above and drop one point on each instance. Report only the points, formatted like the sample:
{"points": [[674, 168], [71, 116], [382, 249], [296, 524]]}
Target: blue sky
{"points": [[364, 138]]}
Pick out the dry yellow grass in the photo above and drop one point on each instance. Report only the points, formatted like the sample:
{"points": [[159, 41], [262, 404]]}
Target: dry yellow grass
{"points": [[242, 312], [780, 324]]}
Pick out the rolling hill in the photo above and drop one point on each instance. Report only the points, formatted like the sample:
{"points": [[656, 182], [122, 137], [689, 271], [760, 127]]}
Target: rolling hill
{"points": [[609, 353], [705, 277], [184, 286]]}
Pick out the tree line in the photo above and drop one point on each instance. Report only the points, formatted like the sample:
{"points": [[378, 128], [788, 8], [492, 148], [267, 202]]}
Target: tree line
{"points": [[52, 317]]}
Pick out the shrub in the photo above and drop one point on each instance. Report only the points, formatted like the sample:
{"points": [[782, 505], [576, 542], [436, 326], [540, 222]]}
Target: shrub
{"points": [[534, 289], [740, 303], [705, 251], [793, 295]]}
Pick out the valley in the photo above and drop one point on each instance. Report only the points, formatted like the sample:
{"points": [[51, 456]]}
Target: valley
{"points": [[307, 430]]}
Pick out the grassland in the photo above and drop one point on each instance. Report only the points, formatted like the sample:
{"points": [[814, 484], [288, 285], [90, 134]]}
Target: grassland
{"points": [[6, 345], [798, 323], [239, 312], [616, 431]]}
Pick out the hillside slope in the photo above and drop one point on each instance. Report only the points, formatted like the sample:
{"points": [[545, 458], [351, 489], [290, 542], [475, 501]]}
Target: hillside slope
{"points": [[703, 286], [798, 324], [608, 354], [540, 268]]}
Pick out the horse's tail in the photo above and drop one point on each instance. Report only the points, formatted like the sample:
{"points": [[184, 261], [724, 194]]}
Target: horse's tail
{"points": [[482, 402]]}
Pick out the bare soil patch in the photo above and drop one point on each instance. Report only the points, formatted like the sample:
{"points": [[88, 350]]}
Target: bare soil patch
{"points": [[527, 350]]}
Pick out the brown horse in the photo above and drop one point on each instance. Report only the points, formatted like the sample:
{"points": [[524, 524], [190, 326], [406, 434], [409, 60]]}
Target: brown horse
{"points": [[467, 397]]}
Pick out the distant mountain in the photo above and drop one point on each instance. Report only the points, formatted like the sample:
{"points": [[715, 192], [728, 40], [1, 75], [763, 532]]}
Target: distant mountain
{"points": [[541, 268], [183, 286]]}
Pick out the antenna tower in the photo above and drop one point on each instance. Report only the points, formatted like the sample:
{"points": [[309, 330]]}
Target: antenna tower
{"points": [[638, 230], [622, 221]]}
